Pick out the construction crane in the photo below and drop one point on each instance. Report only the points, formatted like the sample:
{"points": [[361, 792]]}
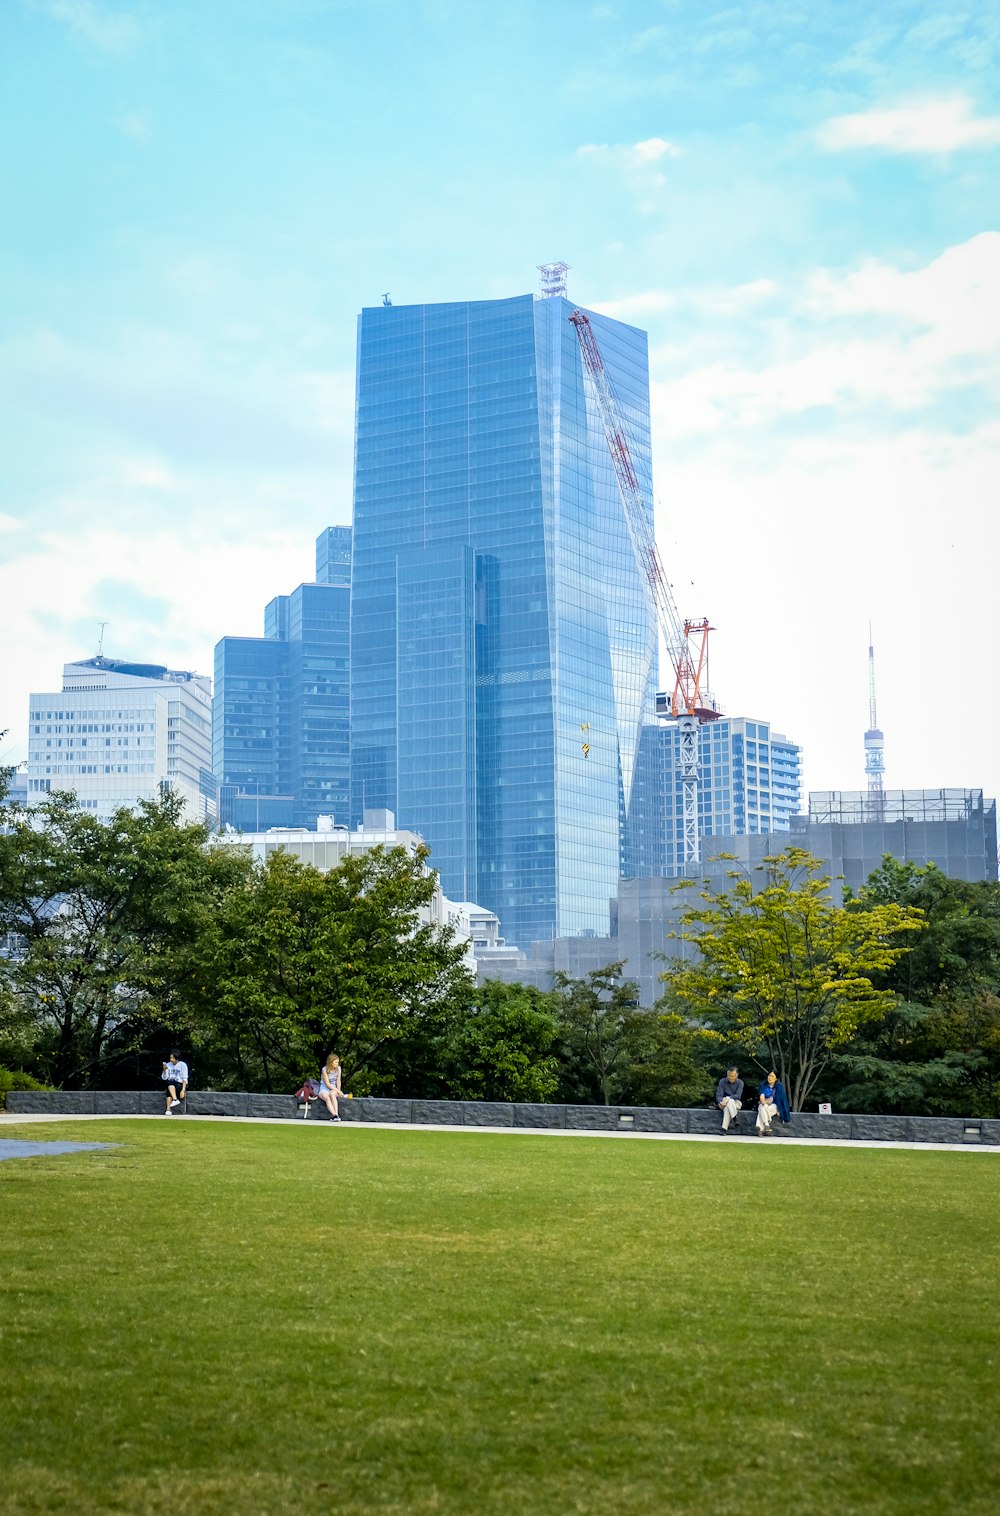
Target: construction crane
{"points": [[686, 641]]}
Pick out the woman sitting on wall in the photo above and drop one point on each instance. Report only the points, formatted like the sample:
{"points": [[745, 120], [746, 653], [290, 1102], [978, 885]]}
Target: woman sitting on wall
{"points": [[772, 1102]]}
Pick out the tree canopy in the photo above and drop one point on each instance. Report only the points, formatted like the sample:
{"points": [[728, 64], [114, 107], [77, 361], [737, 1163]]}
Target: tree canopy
{"points": [[937, 1047], [784, 973]]}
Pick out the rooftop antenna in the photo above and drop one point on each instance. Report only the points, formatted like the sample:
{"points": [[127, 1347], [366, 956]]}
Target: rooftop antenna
{"points": [[100, 640], [553, 279], [874, 756], [387, 298]]}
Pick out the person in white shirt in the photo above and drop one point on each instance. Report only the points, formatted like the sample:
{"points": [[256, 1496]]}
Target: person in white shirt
{"points": [[175, 1077]]}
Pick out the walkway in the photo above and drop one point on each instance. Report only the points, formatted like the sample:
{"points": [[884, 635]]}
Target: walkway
{"points": [[7, 1119]]}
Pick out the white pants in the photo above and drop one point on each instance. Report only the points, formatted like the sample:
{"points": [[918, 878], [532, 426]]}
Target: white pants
{"points": [[730, 1110], [766, 1113]]}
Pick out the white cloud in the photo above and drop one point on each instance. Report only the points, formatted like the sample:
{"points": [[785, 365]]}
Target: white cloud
{"points": [[111, 31], [167, 594], [133, 126], [636, 161], [798, 545], [878, 338], [640, 307], [930, 126], [194, 405], [649, 304], [636, 155], [652, 150]]}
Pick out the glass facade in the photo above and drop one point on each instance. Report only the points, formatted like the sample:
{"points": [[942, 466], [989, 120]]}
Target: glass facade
{"points": [[281, 727], [502, 647], [750, 784]]}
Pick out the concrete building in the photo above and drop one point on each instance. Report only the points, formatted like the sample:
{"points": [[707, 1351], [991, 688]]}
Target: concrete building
{"points": [[502, 646], [954, 829], [329, 844], [119, 732], [281, 722]]}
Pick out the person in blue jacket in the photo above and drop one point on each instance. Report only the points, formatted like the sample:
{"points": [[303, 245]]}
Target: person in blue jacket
{"points": [[772, 1103]]}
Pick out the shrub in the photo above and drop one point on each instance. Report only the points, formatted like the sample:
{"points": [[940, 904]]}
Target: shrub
{"points": [[16, 1079]]}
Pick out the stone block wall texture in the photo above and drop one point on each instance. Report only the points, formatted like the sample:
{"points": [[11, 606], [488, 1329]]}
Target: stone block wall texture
{"points": [[705, 1121]]}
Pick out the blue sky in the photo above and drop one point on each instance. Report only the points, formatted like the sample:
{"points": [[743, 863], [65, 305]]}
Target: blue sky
{"points": [[799, 203]]}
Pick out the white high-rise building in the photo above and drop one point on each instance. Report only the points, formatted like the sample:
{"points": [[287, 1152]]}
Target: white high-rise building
{"points": [[119, 732], [750, 784]]}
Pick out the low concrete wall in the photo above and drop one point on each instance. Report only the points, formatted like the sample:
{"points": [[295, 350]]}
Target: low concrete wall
{"points": [[484, 1113]]}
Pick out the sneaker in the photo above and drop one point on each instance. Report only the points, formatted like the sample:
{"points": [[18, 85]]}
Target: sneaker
{"points": [[334, 1118], [173, 1103], [168, 1112]]}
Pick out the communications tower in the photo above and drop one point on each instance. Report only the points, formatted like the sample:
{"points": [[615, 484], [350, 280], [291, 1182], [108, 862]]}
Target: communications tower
{"points": [[874, 755]]}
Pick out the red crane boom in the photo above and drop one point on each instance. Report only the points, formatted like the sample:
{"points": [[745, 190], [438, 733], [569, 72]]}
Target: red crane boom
{"points": [[686, 641]]}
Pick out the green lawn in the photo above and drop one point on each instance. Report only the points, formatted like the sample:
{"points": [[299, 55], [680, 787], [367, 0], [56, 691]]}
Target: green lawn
{"points": [[249, 1319]]}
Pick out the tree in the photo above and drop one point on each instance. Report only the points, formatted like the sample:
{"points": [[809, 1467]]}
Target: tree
{"points": [[595, 1013], [614, 1053], [784, 973], [500, 1045], [93, 912], [297, 962], [937, 1050]]}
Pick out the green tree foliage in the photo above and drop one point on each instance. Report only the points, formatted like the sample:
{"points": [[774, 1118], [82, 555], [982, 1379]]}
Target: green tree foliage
{"points": [[500, 1045], [295, 963], [614, 1053], [782, 972], [93, 914], [937, 1050]]}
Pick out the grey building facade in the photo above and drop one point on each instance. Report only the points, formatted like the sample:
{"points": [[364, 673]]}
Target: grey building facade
{"points": [[954, 829]]}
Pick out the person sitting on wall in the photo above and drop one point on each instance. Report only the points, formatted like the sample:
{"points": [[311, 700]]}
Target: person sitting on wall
{"points": [[175, 1076], [729, 1097], [772, 1102], [330, 1089]]}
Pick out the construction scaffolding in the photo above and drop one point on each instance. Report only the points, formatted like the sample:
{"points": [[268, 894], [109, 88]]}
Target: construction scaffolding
{"points": [[852, 806]]}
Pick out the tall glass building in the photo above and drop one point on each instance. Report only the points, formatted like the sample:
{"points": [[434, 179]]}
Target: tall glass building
{"points": [[281, 727], [503, 653]]}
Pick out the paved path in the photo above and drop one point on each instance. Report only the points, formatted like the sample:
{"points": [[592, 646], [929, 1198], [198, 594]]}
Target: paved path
{"points": [[7, 1119]]}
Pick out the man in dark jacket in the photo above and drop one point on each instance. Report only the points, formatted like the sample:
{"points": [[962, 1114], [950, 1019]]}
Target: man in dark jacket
{"points": [[729, 1097]]}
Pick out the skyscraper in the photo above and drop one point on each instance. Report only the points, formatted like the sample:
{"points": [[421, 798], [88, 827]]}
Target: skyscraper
{"points": [[502, 647], [281, 736]]}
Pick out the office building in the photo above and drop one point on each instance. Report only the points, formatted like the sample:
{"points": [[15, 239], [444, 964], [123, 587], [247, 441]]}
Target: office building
{"points": [[281, 727], [119, 732], [502, 646], [749, 784]]}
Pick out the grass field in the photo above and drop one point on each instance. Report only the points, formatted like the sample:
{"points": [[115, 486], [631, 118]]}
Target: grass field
{"points": [[237, 1319]]}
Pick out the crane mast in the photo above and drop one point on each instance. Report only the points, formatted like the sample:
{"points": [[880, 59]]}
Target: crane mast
{"points": [[686, 641]]}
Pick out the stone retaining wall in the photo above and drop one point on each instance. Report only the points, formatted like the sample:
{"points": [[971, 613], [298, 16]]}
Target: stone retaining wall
{"points": [[484, 1113]]}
